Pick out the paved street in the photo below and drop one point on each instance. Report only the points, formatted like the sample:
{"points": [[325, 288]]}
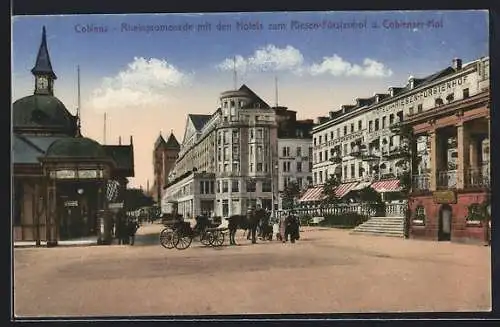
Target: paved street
{"points": [[326, 271]]}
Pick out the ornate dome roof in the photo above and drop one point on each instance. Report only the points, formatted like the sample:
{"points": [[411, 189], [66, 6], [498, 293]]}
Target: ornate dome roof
{"points": [[76, 147], [43, 112]]}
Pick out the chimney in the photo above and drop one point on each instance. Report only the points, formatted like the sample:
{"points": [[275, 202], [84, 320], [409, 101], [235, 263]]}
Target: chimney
{"points": [[411, 82], [131, 140], [456, 63], [331, 114], [119, 140]]}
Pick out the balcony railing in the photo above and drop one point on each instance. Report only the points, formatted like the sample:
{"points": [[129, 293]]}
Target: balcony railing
{"points": [[421, 182], [446, 179], [477, 177]]}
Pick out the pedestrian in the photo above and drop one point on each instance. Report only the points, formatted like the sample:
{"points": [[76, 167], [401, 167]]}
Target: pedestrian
{"points": [[133, 226], [283, 226], [276, 229]]}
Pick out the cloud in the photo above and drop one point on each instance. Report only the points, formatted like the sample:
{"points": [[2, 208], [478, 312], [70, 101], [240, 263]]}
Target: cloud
{"points": [[144, 82], [272, 58], [337, 66], [268, 58]]}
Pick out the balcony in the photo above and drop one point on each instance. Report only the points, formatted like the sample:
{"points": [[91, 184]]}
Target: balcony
{"points": [[446, 179], [477, 177], [373, 155], [335, 159], [421, 182], [397, 152]]}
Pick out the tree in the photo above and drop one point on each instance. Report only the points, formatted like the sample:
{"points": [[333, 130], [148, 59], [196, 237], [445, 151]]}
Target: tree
{"points": [[372, 199], [329, 188], [290, 194]]}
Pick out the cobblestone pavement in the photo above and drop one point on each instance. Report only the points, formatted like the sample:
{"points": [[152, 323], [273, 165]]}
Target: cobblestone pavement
{"points": [[326, 271]]}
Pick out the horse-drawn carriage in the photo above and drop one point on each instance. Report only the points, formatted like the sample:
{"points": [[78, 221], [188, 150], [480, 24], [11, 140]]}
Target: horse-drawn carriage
{"points": [[179, 234]]}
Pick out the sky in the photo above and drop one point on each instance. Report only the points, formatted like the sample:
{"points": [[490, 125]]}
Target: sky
{"points": [[147, 72]]}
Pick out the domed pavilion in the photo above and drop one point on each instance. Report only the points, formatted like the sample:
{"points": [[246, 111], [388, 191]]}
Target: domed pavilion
{"points": [[64, 183]]}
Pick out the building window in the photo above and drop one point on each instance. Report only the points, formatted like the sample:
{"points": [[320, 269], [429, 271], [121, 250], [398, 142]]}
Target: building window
{"points": [[259, 166], [236, 153], [331, 135], [345, 130], [225, 208], [360, 124], [225, 104], [251, 134], [260, 134], [345, 150], [352, 128], [251, 150], [353, 171], [370, 126], [286, 151], [202, 187], [419, 216], [465, 93], [251, 186], [235, 186], [326, 155], [315, 177], [299, 151], [219, 188], [420, 108], [266, 186], [410, 111], [345, 171], [376, 124], [226, 153], [320, 156], [212, 187], [310, 166], [299, 167], [226, 167], [384, 121], [326, 137], [225, 187], [299, 182], [314, 141], [235, 167], [320, 177], [320, 139], [251, 167], [232, 103], [360, 171], [235, 136]]}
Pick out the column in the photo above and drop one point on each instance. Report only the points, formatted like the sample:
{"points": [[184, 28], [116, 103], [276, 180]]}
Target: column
{"points": [[51, 218], [433, 161], [463, 155]]}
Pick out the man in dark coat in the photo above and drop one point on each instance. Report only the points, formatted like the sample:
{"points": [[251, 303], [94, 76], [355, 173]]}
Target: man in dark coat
{"points": [[132, 227], [292, 227], [253, 221]]}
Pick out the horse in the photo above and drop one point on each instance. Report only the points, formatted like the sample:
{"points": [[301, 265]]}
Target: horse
{"points": [[246, 222]]}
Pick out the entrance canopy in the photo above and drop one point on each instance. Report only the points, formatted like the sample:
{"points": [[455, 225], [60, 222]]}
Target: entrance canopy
{"points": [[314, 194]]}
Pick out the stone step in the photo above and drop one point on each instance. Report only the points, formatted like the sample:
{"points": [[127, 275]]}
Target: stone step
{"points": [[377, 229], [379, 234], [382, 226]]}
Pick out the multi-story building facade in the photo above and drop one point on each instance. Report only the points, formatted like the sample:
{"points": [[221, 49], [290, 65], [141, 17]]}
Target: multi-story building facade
{"points": [[164, 156], [450, 198], [358, 144], [236, 148], [294, 150]]}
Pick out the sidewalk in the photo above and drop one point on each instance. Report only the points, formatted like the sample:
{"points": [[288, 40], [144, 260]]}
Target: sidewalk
{"points": [[86, 241]]}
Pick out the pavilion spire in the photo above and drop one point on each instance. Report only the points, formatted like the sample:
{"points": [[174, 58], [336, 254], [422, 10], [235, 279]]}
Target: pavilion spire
{"points": [[43, 66]]}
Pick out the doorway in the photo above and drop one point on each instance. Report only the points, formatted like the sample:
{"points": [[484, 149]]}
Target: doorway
{"points": [[445, 215]]}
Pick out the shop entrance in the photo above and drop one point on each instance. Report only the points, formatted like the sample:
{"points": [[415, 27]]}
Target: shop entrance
{"points": [[445, 215], [77, 209]]}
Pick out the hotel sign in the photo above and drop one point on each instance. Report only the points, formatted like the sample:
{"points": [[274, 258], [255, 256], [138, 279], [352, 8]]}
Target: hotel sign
{"points": [[432, 91], [444, 197]]}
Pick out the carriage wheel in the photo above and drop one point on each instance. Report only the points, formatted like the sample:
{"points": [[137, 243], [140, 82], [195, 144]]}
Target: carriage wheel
{"points": [[205, 238], [167, 238], [182, 241], [217, 239]]}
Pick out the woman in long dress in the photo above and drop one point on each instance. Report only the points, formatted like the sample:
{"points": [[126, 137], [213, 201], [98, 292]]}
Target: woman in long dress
{"points": [[283, 226]]}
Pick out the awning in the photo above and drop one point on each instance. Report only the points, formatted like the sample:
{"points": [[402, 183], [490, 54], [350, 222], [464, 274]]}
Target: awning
{"points": [[312, 194], [390, 185], [343, 189], [361, 186]]}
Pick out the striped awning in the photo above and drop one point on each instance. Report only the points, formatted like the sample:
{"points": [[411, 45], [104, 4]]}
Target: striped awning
{"points": [[361, 186], [343, 189], [390, 185], [312, 194]]}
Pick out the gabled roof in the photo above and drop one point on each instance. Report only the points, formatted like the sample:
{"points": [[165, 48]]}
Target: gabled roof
{"points": [[199, 120], [172, 142], [123, 155], [255, 98], [43, 65], [160, 141]]}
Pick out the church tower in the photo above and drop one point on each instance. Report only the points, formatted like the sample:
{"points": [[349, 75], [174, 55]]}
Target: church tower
{"points": [[165, 154]]}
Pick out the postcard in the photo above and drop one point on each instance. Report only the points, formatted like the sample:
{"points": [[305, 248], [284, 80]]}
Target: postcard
{"points": [[216, 164]]}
